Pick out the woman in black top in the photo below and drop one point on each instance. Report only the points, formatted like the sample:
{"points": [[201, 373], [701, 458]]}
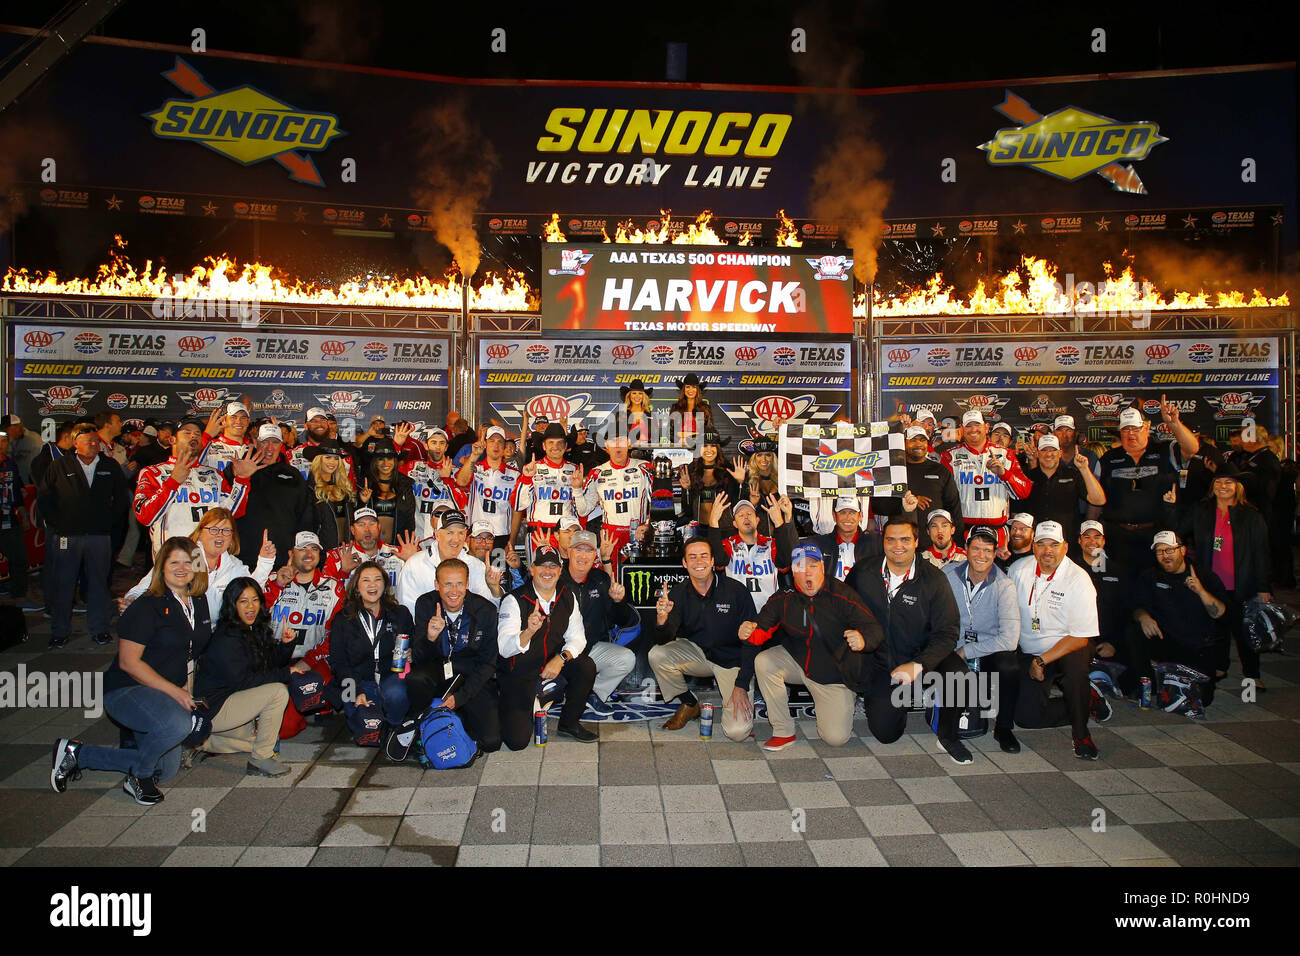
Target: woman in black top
{"points": [[147, 687], [243, 676], [332, 491], [362, 641], [389, 492], [704, 477]]}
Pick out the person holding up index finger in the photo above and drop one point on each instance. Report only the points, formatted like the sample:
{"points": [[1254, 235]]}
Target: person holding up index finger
{"points": [[280, 502]]}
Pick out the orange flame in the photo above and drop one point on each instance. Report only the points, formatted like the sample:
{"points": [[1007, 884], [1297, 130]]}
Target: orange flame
{"points": [[224, 278], [787, 235], [551, 232]]}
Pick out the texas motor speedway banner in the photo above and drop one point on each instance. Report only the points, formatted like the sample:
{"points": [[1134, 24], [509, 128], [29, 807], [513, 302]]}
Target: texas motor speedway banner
{"points": [[68, 370], [749, 384], [1217, 382]]}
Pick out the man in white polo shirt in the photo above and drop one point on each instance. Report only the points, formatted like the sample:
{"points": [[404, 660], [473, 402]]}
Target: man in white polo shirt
{"points": [[1058, 633]]}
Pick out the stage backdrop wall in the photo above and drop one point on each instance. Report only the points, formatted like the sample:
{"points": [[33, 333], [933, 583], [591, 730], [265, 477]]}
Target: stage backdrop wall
{"points": [[1217, 382]]}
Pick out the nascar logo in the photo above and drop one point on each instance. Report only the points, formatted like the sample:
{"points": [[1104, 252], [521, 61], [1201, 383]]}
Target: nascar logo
{"points": [[537, 354], [938, 357], [783, 356], [238, 347], [375, 351], [845, 463], [244, 124], [1200, 353], [88, 343], [1067, 355], [661, 354]]}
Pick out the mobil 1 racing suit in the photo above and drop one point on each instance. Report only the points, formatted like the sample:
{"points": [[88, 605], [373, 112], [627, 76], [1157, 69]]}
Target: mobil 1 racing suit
{"points": [[488, 496], [308, 609], [623, 495], [171, 510], [986, 497], [221, 451], [547, 496], [753, 565], [386, 557], [431, 488]]}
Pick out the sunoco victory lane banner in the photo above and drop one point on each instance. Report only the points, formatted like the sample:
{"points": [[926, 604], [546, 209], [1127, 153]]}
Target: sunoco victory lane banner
{"points": [[750, 385], [1216, 382], [69, 370], [695, 291]]}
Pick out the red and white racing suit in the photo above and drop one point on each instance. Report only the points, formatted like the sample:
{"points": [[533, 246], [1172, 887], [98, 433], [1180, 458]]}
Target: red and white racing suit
{"points": [[221, 451], [986, 497], [623, 495], [546, 497], [387, 558], [431, 489], [170, 509], [941, 559], [753, 565], [307, 608], [489, 495]]}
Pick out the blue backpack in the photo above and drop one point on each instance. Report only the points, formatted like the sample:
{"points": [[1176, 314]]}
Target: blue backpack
{"points": [[442, 735]]}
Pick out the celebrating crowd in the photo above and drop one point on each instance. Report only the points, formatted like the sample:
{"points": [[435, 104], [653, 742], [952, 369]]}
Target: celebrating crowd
{"points": [[300, 577]]}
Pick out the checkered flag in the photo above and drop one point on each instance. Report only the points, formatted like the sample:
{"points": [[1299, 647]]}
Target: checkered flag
{"points": [[841, 460]]}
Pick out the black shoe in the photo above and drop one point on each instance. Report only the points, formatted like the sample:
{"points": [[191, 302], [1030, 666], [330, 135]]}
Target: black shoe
{"points": [[956, 750], [578, 732], [103, 640], [1098, 705], [1006, 740], [143, 790], [65, 763], [57, 642], [1085, 749]]}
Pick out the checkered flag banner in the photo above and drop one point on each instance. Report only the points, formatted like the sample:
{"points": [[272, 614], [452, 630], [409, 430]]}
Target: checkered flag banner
{"points": [[842, 459]]}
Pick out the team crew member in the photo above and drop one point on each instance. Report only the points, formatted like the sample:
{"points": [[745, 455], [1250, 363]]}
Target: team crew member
{"points": [[700, 620], [620, 490], [420, 572], [943, 550], [171, 498], [226, 437], [485, 485], [540, 635], [544, 492], [990, 626], [1067, 438], [1002, 435], [1060, 485], [367, 545], [279, 500], [1135, 478], [303, 596], [914, 604], [846, 546], [747, 556], [1020, 540], [814, 621], [1058, 631], [600, 600], [84, 499], [480, 544], [1116, 639], [317, 432], [931, 484], [432, 483], [456, 637], [362, 642], [1180, 609], [988, 478]]}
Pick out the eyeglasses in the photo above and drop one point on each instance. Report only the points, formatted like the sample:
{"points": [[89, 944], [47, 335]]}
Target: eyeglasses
{"points": [[1166, 552], [220, 532]]}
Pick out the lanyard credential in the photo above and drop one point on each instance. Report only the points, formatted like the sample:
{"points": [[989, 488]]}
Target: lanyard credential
{"points": [[885, 573], [1032, 604]]}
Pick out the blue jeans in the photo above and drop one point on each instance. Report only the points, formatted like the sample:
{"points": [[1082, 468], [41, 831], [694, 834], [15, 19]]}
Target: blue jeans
{"points": [[389, 694], [160, 724]]}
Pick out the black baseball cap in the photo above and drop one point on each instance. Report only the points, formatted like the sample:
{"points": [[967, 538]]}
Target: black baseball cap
{"points": [[546, 555], [451, 519]]}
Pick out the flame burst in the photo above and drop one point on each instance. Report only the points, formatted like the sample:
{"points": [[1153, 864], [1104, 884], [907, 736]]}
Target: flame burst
{"points": [[223, 278], [786, 234], [1042, 293]]}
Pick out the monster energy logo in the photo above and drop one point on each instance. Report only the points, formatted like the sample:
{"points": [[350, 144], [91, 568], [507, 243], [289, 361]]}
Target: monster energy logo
{"points": [[638, 582]]}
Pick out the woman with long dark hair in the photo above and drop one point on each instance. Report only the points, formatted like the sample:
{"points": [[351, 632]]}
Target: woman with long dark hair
{"points": [[243, 679], [147, 688], [1228, 536], [389, 492], [690, 403], [708, 474], [362, 641]]}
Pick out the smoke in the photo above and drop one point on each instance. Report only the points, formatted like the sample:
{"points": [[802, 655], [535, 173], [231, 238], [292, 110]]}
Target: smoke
{"points": [[23, 145], [456, 166], [846, 185], [1184, 270], [344, 31]]}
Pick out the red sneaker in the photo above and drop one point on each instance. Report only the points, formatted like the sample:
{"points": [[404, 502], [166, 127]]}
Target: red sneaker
{"points": [[778, 743]]}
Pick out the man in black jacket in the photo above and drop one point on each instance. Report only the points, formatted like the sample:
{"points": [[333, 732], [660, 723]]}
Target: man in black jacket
{"points": [[84, 500], [931, 483], [279, 501], [456, 636], [601, 602], [1117, 639], [914, 604], [826, 640], [700, 622]]}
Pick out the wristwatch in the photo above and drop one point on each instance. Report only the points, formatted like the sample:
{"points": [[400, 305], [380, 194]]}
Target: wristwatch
{"points": [[567, 656], [1040, 662]]}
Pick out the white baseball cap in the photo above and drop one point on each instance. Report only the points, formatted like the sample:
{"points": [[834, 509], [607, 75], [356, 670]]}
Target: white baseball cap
{"points": [[924, 413], [364, 513], [1048, 441], [1091, 525], [915, 431], [1166, 538], [234, 408], [568, 521], [316, 412], [1005, 426], [151, 431], [306, 539], [1063, 421], [496, 431], [937, 513], [1049, 531], [743, 503], [1024, 517], [270, 431], [974, 415], [848, 504], [436, 431], [1131, 418], [481, 527]]}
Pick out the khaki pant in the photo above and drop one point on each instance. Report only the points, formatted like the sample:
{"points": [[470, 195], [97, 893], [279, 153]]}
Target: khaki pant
{"points": [[775, 668], [233, 731], [671, 661]]}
